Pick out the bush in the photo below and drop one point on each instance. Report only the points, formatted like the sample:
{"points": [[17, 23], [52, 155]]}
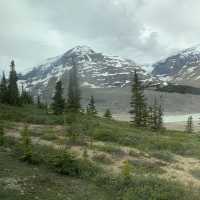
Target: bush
{"points": [[102, 158], [152, 188], [49, 135], [25, 145], [126, 169], [111, 149], [163, 155], [2, 135], [64, 162]]}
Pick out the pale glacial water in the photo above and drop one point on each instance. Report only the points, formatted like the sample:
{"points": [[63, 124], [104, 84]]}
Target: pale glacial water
{"points": [[181, 118]]}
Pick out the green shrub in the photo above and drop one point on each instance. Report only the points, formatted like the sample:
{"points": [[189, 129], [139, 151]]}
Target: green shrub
{"points": [[163, 155], [49, 135], [111, 149], [26, 145], [146, 167], [102, 158], [126, 169], [195, 173], [64, 162], [2, 134], [152, 188]]}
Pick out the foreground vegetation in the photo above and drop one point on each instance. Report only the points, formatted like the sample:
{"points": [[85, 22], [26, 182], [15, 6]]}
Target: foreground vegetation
{"points": [[104, 159]]}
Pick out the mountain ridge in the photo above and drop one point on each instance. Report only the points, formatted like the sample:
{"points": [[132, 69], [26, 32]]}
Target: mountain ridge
{"points": [[96, 70], [180, 68]]}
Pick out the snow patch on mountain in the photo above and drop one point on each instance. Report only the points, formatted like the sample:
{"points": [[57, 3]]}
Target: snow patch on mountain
{"points": [[96, 70], [182, 67]]}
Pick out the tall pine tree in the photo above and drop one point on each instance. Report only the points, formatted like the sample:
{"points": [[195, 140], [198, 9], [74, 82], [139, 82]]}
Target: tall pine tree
{"points": [[58, 104], [74, 97], [138, 104], [3, 90], [91, 109], [155, 119], [13, 92], [39, 103], [189, 125]]}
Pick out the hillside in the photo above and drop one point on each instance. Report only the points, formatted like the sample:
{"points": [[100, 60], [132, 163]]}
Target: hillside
{"points": [[161, 165]]}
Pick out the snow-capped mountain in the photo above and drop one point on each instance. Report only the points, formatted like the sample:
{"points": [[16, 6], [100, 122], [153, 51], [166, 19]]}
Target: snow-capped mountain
{"points": [[183, 67], [96, 70]]}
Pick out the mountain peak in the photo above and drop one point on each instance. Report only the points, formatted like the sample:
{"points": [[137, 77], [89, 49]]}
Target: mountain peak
{"points": [[192, 50], [182, 67], [80, 50], [96, 70]]}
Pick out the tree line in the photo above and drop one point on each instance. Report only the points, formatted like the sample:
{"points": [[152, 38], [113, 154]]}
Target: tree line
{"points": [[143, 115], [73, 104], [9, 92]]}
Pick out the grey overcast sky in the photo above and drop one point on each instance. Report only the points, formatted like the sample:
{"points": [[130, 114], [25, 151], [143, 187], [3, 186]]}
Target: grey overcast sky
{"points": [[143, 30]]}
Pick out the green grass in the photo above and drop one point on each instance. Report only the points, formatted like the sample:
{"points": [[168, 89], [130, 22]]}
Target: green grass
{"points": [[22, 181], [111, 149], [38, 182], [102, 158], [163, 155], [146, 167], [29, 114], [56, 176], [195, 173], [111, 131]]}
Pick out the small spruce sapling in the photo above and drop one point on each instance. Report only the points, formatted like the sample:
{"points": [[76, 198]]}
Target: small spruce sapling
{"points": [[107, 114], [91, 109], [26, 145], [2, 135], [126, 170]]}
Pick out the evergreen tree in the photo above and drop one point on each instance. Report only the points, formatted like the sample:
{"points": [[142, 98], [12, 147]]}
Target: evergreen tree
{"points": [[26, 144], [160, 117], [39, 104], [150, 121], [25, 97], [126, 170], [58, 101], [138, 104], [3, 90], [189, 125], [155, 115], [91, 109], [2, 134], [74, 97], [145, 116], [107, 114], [13, 93]]}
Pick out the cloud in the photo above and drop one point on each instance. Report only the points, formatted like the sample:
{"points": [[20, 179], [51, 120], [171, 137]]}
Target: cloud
{"points": [[144, 30]]}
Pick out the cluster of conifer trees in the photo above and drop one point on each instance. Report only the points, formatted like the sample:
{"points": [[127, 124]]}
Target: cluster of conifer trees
{"points": [[9, 92], [144, 115], [73, 104]]}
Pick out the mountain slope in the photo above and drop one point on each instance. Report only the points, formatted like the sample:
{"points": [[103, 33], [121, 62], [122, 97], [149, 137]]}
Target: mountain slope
{"points": [[96, 70], [183, 67]]}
